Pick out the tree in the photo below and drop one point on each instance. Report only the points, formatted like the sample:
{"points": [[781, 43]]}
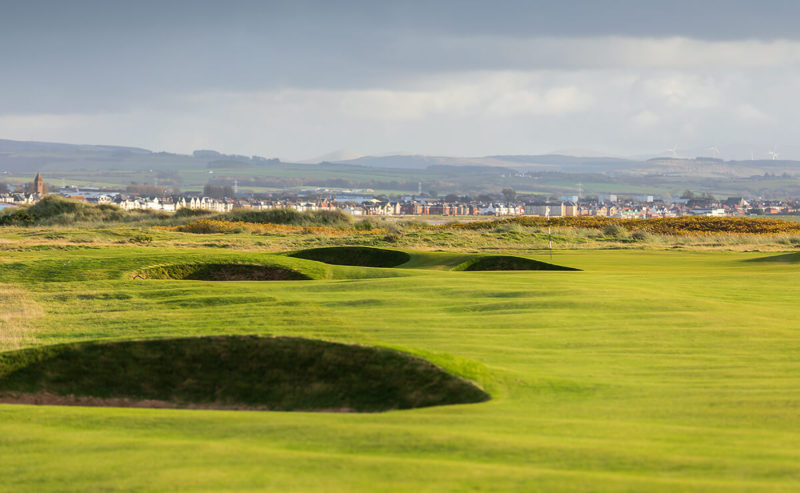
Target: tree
{"points": [[147, 190], [3, 187], [217, 191], [451, 197], [509, 194]]}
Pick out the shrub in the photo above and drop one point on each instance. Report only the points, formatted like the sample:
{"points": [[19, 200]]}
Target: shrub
{"points": [[688, 225], [641, 236], [615, 231], [509, 227], [290, 217], [368, 223], [186, 212]]}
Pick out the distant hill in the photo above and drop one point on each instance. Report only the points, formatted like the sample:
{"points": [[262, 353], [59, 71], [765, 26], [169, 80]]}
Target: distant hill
{"points": [[334, 157], [32, 146], [119, 166], [545, 162]]}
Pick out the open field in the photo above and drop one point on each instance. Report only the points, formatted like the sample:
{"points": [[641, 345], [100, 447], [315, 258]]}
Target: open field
{"points": [[650, 369]]}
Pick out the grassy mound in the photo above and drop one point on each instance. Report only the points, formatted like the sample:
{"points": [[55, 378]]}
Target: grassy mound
{"points": [[221, 272], [57, 210], [249, 372], [360, 256], [290, 217], [507, 262]]}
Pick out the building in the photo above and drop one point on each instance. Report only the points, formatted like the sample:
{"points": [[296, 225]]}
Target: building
{"points": [[38, 184], [547, 209]]}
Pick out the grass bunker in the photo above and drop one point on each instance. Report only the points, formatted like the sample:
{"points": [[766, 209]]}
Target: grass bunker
{"points": [[220, 272], [357, 255], [229, 372], [508, 262]]}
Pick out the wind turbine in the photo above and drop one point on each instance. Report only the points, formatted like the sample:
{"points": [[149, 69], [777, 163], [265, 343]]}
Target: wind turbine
{"points": [[773, 154], [673, 150], [714, 150]]}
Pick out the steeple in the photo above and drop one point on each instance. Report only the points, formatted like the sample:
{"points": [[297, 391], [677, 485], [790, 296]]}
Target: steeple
{"points": [[38, 184]]}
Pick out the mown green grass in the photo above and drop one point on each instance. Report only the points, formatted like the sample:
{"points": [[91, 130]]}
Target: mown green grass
{"points": [[645, 371]]}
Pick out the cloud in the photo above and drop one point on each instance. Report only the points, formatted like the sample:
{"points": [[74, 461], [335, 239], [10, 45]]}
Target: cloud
{"points": [[470, 113], [748, 113], [295, 79]]}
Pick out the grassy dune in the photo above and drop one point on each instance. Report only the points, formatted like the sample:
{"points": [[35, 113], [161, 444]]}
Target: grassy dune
{"points": [[646, 370]]}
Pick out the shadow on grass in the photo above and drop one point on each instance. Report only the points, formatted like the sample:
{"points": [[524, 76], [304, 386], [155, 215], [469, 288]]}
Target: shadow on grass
{"points": [[229, 372]]}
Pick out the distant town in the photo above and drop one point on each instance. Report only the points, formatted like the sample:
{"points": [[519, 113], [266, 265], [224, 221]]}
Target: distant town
{"points": [[364, 202]]}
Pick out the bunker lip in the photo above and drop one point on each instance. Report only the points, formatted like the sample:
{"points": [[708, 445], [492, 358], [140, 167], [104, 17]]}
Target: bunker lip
{"points": [[229, 373], [220, 271], [360, 256], [508, 263]]}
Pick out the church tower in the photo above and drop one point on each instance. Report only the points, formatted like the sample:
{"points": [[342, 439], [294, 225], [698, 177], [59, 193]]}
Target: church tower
{"points": [[38, 184]]}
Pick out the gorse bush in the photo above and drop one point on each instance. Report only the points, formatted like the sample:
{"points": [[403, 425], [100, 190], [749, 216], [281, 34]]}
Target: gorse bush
{"points": [[689, 225]]}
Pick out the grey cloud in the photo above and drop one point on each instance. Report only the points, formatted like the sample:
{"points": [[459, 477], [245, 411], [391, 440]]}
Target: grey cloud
{"points": [[141, 70]]}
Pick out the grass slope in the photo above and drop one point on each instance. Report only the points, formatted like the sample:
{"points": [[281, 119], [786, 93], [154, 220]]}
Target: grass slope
{"points": [[786, 258], [228, 371], [648, 371]]}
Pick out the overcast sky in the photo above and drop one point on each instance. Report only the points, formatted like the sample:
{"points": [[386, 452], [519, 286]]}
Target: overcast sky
{"points": [[299, 79]]}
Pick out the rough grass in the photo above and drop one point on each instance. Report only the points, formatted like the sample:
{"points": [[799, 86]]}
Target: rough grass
{"points": [[290, 217], [18, 311], [686, 225], [507, 262], [281, 373], [355, 255]]}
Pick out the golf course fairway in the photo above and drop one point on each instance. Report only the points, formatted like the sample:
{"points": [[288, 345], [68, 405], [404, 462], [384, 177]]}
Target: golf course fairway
{"points": [[641, 370]]}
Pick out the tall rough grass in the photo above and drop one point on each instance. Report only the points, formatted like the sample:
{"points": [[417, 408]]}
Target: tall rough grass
{"points": [[689, 225], [290, 217], [212, 226], [55, 210]]}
